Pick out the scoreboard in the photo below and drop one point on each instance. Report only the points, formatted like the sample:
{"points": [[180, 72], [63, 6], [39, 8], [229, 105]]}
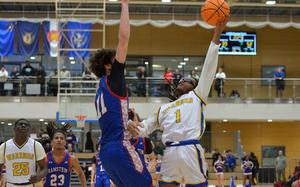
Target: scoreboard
{"points": [[237, 43]]}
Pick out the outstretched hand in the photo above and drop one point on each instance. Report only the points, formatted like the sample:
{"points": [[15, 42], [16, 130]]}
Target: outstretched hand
{"points": [[219, 29], [133, 128]]}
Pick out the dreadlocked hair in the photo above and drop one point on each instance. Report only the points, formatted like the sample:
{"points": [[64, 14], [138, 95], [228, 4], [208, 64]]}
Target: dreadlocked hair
{"points": [[53, 128], [99, 59]]}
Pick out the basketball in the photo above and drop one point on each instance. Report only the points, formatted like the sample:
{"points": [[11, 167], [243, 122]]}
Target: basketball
{"points": [[214, 10]]}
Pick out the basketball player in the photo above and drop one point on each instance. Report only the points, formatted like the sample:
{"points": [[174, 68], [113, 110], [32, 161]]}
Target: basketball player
{"points": [[219, 169], [99, 177], [247, 167], [60, 163], [182, 122], [118, 156], [21, 155]]}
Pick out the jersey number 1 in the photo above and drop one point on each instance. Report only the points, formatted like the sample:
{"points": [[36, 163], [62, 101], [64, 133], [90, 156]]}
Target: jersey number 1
{"points": [[177, 113]]}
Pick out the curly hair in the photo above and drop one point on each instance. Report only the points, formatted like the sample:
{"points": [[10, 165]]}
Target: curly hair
{"points": [[53, 128], [99, 59]]}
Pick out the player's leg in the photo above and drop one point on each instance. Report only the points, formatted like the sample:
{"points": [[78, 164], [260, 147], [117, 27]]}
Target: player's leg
{"points": [[170, 169], [245, 180], [124, 165], [194, 166]]}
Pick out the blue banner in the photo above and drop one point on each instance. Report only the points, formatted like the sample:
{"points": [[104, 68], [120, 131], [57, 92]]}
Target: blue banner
{"points": [[7, 35], [80, 39], [46, 30], [28, 38]]}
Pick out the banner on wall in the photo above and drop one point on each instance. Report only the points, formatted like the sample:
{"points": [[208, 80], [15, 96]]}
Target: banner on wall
{"points": [[7, 35], [79, 36], [51, 38], [28, 38]]}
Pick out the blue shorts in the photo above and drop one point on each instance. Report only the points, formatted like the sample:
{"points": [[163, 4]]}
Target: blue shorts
{"points": [[124, 166], [102, 180]]}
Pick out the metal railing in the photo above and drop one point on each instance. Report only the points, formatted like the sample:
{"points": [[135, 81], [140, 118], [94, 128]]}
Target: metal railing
{"points": [[231, 88]]}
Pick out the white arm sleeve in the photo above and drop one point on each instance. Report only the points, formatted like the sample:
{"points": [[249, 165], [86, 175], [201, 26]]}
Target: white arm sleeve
{"points": [[2, 159], [208, 71], [150, 124], [40, 152]]}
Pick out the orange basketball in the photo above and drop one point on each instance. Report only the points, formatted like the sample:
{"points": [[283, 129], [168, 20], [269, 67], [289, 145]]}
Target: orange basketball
{"points": [[214, 10]]}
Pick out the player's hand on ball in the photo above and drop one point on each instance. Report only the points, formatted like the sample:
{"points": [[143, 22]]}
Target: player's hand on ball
{"points": [[221, 24]]}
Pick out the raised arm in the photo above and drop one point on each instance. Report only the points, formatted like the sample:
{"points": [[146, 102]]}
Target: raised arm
{"points": [[210, 63], [124, 33]]}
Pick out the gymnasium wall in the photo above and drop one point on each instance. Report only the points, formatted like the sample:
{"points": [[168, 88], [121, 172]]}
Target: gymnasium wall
{"points": [[256, 134], [274, 47]]}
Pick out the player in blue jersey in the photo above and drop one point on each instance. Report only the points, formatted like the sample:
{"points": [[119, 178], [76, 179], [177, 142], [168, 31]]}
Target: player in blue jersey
{"points": [[118, 156], [99, 177], [60, 163]]}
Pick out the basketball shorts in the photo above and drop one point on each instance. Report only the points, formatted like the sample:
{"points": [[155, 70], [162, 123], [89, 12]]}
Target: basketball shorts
{"points": [[184, 163], [123, 165]]}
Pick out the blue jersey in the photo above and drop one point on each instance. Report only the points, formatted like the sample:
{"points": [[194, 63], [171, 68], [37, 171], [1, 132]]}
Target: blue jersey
{"points": [[99, 168], [113, 112], [139, 145], [58, 173]]}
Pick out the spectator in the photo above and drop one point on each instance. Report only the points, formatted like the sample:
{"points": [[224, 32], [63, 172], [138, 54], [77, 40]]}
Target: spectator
{"points": [[219, 83], [280, 165], [28, 70], [177, 77], [215, 155], [230, 161], [15, 75], [255, 168], [168, 76], [53, 83], [3, 79], [194, 75], [141, 86], [71, 139], [279, 76], [89, 145], [235, 94], [65, 77], [88, 76], [40, 75]]}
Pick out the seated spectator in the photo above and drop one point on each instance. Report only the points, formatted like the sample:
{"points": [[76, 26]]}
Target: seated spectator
{"points": [[230, 161], [28, 70], [15, 75], [235, 94]]}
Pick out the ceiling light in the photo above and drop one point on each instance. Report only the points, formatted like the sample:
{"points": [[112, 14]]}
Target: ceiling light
{"points": [[269, 120], [2, 122], [146, 63], [269, 2], [179, 66], [182, 63], [224, 131], [72, 62], [41, 119], [63, 123], [196, 68], [186, 59], [225, 120], [9, 124], [32, 58], [113, 0], [166, 1], [46, 123], [156, 66], [71, 58]]}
